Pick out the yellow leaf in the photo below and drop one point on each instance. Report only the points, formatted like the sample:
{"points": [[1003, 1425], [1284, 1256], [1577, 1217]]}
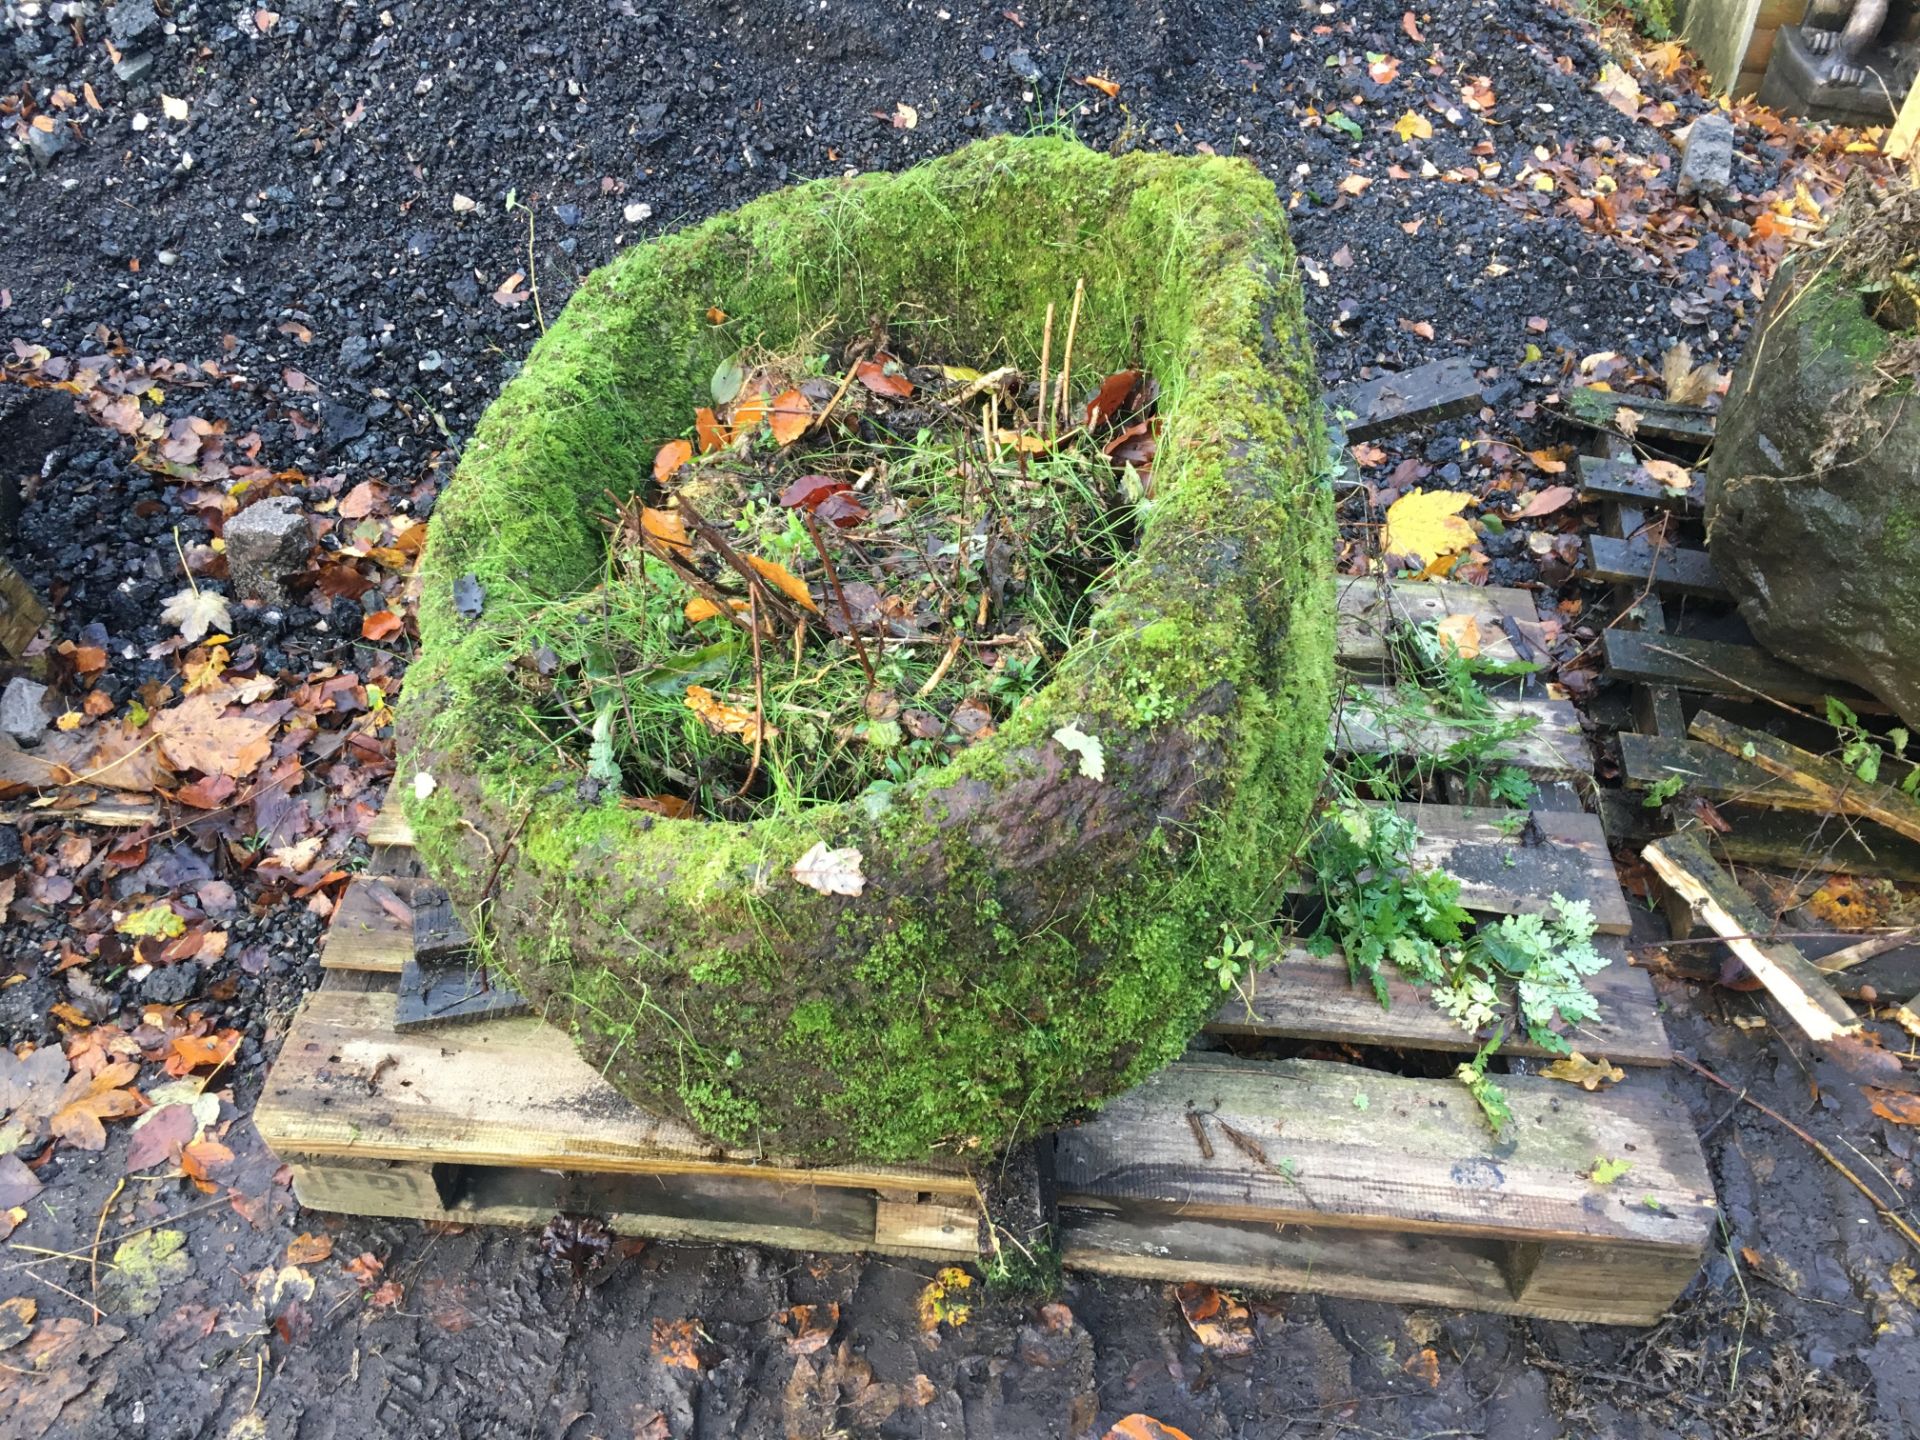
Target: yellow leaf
{"points": [[725, 719], [1576, 1069], [1413, 127], [156, 921], [1462, 632], [1548, 461], [937, 1305], [783, 580], [1674, 477], [700, 608], [1031, 444], [1626, 420], [70, 720], [960, 374], [1424, 525]]}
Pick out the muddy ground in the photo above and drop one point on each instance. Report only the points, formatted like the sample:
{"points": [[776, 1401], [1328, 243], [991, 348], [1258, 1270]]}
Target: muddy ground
{"points": [[301, 221]]}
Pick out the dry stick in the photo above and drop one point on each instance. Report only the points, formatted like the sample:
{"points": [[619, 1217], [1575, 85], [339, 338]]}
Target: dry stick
{"points": [[93, 1257], [1907, 1232], [1066, 358], [1858, 954], [718, 543], [846, 380], [846, 611], [1046, 347], [759, 693]]}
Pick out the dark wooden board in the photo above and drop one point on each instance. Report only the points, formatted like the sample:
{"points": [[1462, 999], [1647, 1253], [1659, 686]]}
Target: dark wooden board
{"points": [[1358, 1148], [1647, 760], [1425, 395], [1716, 668], [1627, 482], [1786, 839], [1638, 561], [1827, 784], [1659, 419], [1506, 874], [1310, 997]]}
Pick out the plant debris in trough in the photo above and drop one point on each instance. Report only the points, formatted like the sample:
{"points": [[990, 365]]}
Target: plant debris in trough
{"points": [[836, 582]]}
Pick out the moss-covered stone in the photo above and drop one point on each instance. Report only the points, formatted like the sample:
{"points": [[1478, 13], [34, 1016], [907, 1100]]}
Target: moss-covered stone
{"points": [[1030, 940]]}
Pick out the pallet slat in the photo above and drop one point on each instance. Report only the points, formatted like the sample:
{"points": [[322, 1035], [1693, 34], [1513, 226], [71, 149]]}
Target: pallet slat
{"points": [[1646, 760], [1629, 483], [1659, 419], [1826, 784], [369, 930], [1362, 1149], [1374, 720], [510, 1093], [1369, 612], [1716, 668], [1310, 997], [1638, 561], [1500, 873], [1425, 395]]}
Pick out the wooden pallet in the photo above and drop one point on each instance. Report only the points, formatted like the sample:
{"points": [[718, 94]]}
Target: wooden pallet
{"points": [[1409, 1198]]}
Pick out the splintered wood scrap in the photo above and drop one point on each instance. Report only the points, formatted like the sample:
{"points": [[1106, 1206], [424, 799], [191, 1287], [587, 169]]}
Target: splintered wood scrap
{"points": [[1832, 785], [1862, 952], [1908, 1016], [1686, 868]]}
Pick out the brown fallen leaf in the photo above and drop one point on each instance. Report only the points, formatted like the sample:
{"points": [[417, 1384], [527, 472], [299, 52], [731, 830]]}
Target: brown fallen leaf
{"points": [[308, 1249], [200, 734], [876, 377], [725, 719], [784, 580], [1577, 1069], [1895, 1105], [791, 416], [88, 1100], [1218, 1321], [812, 1326], [669, 459], [678, 1344], [1138, 1426], [1549, 500]]}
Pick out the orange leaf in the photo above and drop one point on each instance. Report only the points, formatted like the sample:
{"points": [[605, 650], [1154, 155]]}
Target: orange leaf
{"points": [[700, 608], [381, 625], [874, 375], [1895, 1105], [716, 316], [1554, 497], [1549, 461], [1112, 395], [671, 807], [748, 413], [666, 529], [1024, 441], [1217, 1322], [791, 416], [1383, 70], [1144, 1427], [710, 432], [193, 1051], [784, 580], [672, 456], [722, 718], [309, 1249], [1108, 88]]}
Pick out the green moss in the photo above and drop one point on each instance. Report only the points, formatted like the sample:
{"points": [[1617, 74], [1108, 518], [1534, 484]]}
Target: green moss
{"points": [[1030, 942]]}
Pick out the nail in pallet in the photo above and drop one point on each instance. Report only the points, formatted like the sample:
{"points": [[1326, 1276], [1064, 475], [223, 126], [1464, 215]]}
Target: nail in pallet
{"points": [[1310, 1141]]}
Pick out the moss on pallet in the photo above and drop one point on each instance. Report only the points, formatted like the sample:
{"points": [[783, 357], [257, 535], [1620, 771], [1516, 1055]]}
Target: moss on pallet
{"points": [[1030, 940]]}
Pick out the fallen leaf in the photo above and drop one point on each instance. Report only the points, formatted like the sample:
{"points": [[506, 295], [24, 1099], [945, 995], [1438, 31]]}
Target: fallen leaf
{"points": [[1627, 421], [1424, 1364], [812, 1326], [748, 414], [791, 416], [144, 1267], [510, 292], [1577, 1069], [938, 1303], [16, 1320], [666, 529], [381, 625], [1367, 456], [1143, 1427], [1024, 441], [1384, 70], [1422, 328], [1112, 394], [669, 458], [905, 117], [156, 921], [198, 734], [677, 1343], [309, 1249], [1605, 1171], [1619, 89], [1673, 477], [875, 376], [1548, 461], [725, 719], [1554, 497], [1412, 28], [1895, 1105], [831, 872], [1354, 184], [194, 612], [1424, 525], [783, 580], [1413, 127], [1093, 755], [1108, 88], [700, 608], [708, 430], [1218, 1321], [1462, 632]]}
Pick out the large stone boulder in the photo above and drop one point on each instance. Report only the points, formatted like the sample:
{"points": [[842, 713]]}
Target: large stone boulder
{"points": [[1031, 936], [1813, 490]]}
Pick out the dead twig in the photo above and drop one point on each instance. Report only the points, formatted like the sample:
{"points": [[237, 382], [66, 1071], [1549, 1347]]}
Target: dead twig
{"points": [[1066, 356], [759, 693]]}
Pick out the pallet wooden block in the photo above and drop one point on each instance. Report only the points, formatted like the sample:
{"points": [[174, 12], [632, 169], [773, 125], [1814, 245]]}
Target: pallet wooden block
{"points": [[1618, 479], [1638, 561]]}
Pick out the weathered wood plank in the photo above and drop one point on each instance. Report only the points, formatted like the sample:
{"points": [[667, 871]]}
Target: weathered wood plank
{"points": [[1377, 720], [1827, 785], [1716, 668], [1369, 612], [1906, 127], [1685, 867], [509, 1093], [373, 927], [390, 829], [1504, 873], [1425, 395], [1358, 1148], [1786, 839], [21, 612], [1310, 997], [1631, 1284], [1659, 419], [953, 1229], [1647, 760], [1637, 560], [1629, 482]]}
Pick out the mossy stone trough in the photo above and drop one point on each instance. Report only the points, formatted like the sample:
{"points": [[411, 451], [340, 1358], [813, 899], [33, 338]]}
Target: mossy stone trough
{"points": [[1030, 939]]}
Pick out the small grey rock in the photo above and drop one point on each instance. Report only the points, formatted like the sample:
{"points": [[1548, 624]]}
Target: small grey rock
{"points": [[46, 144], [356, 354], [23, 710], [1022, 64], [129, 20], [1706, 160], [266, 542], [131, 69]]}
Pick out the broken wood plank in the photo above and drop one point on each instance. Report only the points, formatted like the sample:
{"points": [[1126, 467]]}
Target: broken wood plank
{"points": [[1629, 482], [1638, 561], [1370, 612], [1862, 951], [111, 814], [372, 929], [1648, 760], [1659, 419], [510, 1093], [1686, 868], [1716, 668], [1901, 138], [1908, 1015], [1828, 784], [1327, 1143], [391, 829], [1311, 997], [1786, 840], [1425, 395], [1374, 719]]}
